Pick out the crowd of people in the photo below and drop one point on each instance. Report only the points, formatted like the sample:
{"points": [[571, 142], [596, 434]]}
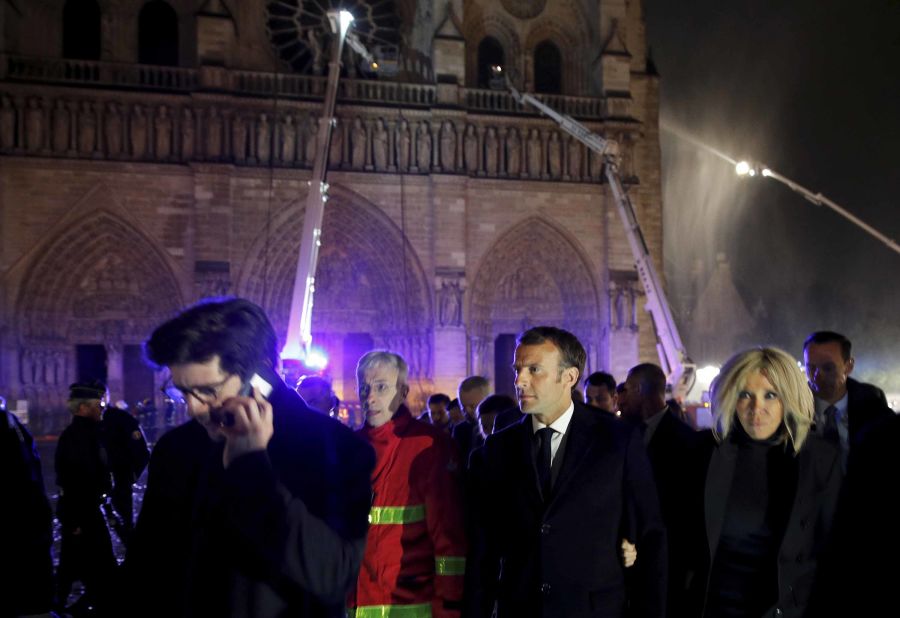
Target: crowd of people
{"points": [[581, 497]]}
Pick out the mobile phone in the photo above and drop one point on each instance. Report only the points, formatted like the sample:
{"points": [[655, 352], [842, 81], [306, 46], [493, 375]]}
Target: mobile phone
{"points": [[256, 382]]}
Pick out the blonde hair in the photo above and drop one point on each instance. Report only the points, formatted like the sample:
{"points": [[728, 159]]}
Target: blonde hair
{"points": [[783, 372], [386, 358]]}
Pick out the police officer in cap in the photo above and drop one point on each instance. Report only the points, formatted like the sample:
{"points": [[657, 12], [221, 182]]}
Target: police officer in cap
{"points": [[84, 478]]}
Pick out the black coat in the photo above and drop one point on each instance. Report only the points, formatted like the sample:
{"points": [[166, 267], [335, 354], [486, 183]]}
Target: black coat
{"points": [[26, 524], [865, 403], [82, 472], [128, 456], [563, 558], [279, 533], [127, 448], [808, 528], [861, 570], [677, 464]]}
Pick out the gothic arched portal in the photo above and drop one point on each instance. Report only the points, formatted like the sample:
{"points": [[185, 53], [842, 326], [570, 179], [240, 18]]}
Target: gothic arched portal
{"points": [[369, 281], [101, 282], [534, 274]]}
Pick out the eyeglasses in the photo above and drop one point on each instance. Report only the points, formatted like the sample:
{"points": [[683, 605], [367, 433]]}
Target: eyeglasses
{"points": [[206, 394]]}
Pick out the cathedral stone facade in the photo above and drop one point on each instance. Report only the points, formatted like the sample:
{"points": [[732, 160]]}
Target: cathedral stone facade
{"points": [[155, 153]]}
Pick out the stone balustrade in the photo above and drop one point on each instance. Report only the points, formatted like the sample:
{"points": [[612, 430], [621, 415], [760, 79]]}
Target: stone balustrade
{"points": [[95, 73], [292, 86], [402, 131], [179, 129]]}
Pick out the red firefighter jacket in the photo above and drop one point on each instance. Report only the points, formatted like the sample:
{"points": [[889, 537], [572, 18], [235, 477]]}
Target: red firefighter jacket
{"points": [[414, 561]]}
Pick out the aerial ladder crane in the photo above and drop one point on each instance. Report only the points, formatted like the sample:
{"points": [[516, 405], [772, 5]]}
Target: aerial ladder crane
{"points": [[679, 369], [299, 333]]}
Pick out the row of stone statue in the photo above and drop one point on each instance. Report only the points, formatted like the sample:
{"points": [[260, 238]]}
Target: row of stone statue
{"points": [[158, 132]]}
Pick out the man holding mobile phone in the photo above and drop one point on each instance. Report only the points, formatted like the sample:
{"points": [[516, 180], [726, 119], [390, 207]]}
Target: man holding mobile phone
{"points": [[258, 506]]}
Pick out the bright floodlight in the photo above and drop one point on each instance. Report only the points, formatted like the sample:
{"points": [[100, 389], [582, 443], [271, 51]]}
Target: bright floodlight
{"points": [[316, 359], [766, 172], [346, 20], [742, 168], [292, 352], [707, 374]]}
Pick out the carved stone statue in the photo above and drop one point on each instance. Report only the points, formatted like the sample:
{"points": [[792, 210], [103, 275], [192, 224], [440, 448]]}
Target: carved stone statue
{"points": [[535, 158], [214, 134], [423, 147], [311, 139], [238, 138], [513, 152], [380, 145], [34, 125], [336, 148], [87, 128], [450, 303], [491, 151], [112, 130], [596, 165], [263, 139], [7, 124], [60, 126], [403, 144], [138, 133], [188, 134], [554, 153], [288, 139], [448, 147], [470, 149], [163, 133], [574, 159], [359, 139]]}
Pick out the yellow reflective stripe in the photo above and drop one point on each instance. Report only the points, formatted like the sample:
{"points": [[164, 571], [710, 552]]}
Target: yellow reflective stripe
{"points": [[397, 514], [423, 610], [449, 565]]}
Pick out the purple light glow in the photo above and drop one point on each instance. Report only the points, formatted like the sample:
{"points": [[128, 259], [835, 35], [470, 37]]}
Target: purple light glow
{"points": [[316, 359]]}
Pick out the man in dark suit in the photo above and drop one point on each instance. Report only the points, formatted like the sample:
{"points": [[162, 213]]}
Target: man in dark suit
{"points": [[555, 495], [258, 506], [672, 448], [843, 405]]}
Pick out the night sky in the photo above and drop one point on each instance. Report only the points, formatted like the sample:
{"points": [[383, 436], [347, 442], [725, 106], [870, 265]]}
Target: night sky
{"points": [[811, 88]]}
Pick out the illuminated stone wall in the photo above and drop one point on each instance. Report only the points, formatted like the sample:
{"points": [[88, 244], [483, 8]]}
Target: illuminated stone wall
{"points": [[456, 218]]}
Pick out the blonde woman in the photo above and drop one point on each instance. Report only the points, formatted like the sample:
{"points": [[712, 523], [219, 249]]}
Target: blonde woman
{"points": [[770, 492]]}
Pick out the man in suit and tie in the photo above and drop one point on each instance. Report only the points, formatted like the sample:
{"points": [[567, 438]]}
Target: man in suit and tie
{"points": [[555, 495], [843, 405]]}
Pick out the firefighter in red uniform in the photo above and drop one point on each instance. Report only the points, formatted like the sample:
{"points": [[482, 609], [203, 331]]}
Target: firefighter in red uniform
{"points": [[414, 562]]}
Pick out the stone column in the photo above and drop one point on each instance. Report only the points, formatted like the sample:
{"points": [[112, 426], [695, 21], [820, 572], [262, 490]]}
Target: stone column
{"points": [[114, 371]]}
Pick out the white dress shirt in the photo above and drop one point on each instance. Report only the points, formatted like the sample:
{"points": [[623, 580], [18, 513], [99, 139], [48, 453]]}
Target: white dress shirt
{"points": [[558, 426]]}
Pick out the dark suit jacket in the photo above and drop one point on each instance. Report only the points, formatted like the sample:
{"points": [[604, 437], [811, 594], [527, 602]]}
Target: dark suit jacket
{"points": [[865, 403], [808, 528], [467, 438], [859, 575], [561, 557], [676, 462]]}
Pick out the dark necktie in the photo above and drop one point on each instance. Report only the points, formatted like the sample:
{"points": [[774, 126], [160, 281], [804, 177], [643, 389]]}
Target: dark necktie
{"points": [[543, 461], [831, 429]]}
